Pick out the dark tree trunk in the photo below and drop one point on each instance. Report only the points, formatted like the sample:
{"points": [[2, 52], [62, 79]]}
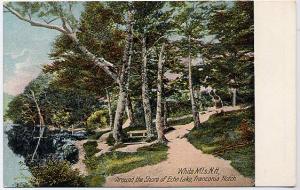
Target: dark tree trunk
{"points": [[159, 120], [194, 109], [145, 94]]}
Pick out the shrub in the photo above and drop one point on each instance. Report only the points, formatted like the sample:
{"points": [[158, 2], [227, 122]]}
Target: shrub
{"points": [[246, 132], [61, 118], [56, 174], [90, 148], [98, 119]]}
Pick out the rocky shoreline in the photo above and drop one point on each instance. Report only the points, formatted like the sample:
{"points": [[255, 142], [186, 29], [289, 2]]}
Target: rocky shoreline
{"points": [[55, 145]]}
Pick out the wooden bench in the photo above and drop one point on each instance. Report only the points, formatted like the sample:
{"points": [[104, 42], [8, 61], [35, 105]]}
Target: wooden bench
{"points": [[137, 134]]}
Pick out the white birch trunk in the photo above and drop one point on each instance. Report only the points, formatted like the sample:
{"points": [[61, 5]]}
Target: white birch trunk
{"points": [[129, 109], [234, 97], [194, 109], [145, 94], [123, 83], [159, 120], [42, 125]]}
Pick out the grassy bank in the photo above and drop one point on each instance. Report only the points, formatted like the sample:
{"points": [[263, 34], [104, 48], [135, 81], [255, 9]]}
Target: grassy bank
{"points": [[181, 121], [230, 136], [120, 162]]}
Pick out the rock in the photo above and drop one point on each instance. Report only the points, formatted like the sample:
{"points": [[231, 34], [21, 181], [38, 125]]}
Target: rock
{"points": [[65, 148], [57, 145], [80, 135]]}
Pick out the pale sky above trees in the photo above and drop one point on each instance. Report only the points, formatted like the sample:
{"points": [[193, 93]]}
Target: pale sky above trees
{"points": [[25, 50]]}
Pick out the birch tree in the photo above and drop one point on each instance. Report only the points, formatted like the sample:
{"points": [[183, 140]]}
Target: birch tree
{"points": [[124, 84], [190, 27], [41, 124], [153, 23], [159, 105]]}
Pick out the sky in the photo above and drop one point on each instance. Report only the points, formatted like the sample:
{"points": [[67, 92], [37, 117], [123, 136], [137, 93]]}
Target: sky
{"points": [[25, 50]]}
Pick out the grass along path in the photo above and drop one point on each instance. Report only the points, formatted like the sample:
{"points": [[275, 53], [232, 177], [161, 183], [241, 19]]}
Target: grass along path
{"points": [[182, 154], [102, 146], [229, 136], [110, 163]]}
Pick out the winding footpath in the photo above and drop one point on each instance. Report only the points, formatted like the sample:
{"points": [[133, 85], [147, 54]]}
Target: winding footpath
{"points": [[102, 146], [80, 165], [182, 154]]}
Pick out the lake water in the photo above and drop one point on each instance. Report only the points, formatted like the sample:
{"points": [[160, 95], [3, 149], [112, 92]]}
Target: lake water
{"points": [[13, 170]]}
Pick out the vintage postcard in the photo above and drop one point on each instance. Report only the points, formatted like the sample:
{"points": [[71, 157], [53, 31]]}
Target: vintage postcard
{"points": [[129, 94]]}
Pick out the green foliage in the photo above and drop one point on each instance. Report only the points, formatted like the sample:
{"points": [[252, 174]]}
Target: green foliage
{"points": [[95, 180], [15, 108], [46, 11], [179, 108], [59, 106], [99, 32], [56, 174], [230, 136], [121, 162], [22, 108], [6, 99], [229, 60], [61, 118], [98, 119], [90, 148]]}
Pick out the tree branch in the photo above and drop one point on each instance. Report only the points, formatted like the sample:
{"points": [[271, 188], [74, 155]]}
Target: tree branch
{"points": [[48, 22], [64, 25], [34, 23], [108, 67], [153, 45], [158, 40]]}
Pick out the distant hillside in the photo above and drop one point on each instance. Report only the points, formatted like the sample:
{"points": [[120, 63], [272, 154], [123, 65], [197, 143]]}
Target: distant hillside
{"points": [[6, 99]]}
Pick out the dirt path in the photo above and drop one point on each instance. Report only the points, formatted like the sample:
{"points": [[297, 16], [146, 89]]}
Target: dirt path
{"points": [[80, 165], [102, 144], [182, 154], [133, 147]]}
